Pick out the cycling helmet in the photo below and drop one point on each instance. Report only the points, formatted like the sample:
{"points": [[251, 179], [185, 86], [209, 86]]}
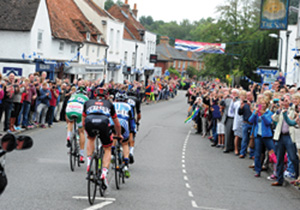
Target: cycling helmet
{"points": [[132, 93], [81, 89], [101, 92], [121, 96]]}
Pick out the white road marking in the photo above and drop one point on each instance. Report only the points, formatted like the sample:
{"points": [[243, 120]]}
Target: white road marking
{"points": [[191, 194], [185, 178], [183, 156], [194, 204], [97, 198], [183, 166], [183, 161], [183, 153], [208, 208], [187, 185], [99, 206], [184, 171]]}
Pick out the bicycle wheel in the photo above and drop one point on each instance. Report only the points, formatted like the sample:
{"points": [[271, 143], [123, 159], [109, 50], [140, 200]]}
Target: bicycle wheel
{"points": [[117, 170], [77, 154], [101, 188], [92, 180], [72, 154]]}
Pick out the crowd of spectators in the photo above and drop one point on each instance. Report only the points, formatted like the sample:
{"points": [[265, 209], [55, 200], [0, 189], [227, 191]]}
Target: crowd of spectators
{"points": [[260, 122], [38, 102]]}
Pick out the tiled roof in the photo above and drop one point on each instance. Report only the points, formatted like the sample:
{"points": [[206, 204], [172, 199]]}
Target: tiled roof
{"points": [[18, 15], [125, 15], [98, 9], [166, 51], [68, 22]]}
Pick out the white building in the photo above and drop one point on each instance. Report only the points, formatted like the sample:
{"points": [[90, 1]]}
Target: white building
{"points": [[26, 40], [292, 72], [112, 30], [138, 44]]}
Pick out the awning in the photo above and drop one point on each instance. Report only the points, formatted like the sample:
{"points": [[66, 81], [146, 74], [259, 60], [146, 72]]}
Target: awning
{"points": [[83, 69]]}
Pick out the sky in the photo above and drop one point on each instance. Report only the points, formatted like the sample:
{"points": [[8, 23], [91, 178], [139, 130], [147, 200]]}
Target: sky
{"points": [[168, 10]]}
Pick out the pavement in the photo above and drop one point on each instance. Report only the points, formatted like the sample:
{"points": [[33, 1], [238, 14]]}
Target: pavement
{"points": [[174, 169]]}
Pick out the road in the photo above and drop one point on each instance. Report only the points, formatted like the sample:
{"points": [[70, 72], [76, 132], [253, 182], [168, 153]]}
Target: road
{"points": [[174, 169]]}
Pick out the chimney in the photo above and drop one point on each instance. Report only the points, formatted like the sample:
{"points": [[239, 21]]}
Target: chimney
{"points": [[126, 6], [164, 40], [135, 11], [190, 54], [100, 3]]}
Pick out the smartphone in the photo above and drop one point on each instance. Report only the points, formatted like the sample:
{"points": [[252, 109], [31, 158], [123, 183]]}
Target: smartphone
{"points": [[245, 101]]}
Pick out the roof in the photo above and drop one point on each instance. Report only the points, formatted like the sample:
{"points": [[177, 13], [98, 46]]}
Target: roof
{"points": [[164, 50], [18, 15], [99, 10], [68, 22], [124, 14]]}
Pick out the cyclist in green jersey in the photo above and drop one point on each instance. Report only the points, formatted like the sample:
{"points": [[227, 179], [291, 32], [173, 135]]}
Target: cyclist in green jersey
{"points": [[75, 108]]}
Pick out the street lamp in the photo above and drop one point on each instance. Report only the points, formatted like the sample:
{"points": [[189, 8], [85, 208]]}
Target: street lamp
{"points": [[279, 51]]}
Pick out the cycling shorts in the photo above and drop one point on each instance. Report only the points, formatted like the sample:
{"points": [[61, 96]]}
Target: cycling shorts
{"points": [[70, 116], [98, 123], [75, 109]]}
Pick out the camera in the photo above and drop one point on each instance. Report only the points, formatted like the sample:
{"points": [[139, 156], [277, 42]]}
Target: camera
{"points": [[245, 101]]}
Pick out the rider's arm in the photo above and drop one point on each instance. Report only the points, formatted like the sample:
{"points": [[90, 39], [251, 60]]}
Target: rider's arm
{"points": [[117, 126]]}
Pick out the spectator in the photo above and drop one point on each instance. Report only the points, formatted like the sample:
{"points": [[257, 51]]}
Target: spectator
{"points": [[43, 104], [52, 102], [9, 92], [281, 79], [261, 118], [285, 137]]}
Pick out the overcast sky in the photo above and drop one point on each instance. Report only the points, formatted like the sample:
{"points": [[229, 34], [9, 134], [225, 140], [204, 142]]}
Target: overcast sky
{"points": [[178, 10]]}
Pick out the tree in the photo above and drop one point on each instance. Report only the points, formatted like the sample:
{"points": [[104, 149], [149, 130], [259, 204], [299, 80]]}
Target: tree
{"points": [[108, 4]]}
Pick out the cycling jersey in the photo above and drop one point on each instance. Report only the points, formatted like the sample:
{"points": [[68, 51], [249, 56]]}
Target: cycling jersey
{"points": [[99, 107], [75, 107], [135, 103], [97, 113], [125, 116]]}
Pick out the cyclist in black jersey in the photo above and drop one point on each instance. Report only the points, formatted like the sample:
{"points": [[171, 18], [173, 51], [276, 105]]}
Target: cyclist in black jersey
{"points": [[134, 102], [96, 113]]}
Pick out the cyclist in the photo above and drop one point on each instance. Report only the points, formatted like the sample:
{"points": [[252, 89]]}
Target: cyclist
{"points": [[75, 108], [95, 116], [135, 103], [125, 115]]}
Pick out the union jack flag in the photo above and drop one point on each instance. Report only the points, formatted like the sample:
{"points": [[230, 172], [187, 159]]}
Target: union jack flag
{"points": [[200, 47]]}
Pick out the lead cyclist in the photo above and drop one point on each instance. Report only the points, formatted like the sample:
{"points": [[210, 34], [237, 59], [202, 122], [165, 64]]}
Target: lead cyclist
{"points": [[75, 108]]}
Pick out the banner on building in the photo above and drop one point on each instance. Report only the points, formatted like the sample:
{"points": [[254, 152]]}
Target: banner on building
{"points": [[200, 47], [274, 14]]}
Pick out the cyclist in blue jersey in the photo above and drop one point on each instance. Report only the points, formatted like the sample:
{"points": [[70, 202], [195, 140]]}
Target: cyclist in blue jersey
{"points": [[125, 116]]}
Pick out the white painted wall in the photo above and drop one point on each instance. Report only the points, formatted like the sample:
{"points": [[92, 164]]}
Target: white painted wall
{"points": [[115, 54], [14, 44], [292, 75]]}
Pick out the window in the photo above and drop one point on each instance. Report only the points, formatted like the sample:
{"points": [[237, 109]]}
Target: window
{"points": [[40, 40], [188, 64], [87, 50], [174, 64], [141, 63], [125, 56], [133, 59], [99, 38], [88, 36], [183, 65], [98, 52], [61, 46], [179, 64], [73, 48], [111, 37], [117, 40]]}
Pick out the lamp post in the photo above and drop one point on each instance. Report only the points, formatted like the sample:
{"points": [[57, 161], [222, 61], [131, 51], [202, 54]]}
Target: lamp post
{"points": [[142, 33], [286, 50], [279, 50]]}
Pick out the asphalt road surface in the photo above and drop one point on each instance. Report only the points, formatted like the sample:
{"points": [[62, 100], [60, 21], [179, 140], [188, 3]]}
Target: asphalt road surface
{"points": [[174, 169]]}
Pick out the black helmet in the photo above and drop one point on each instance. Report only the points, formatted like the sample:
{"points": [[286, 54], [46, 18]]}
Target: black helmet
{"points": [[132, 92], [121, 96], [81, 89], [101, 92]]}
